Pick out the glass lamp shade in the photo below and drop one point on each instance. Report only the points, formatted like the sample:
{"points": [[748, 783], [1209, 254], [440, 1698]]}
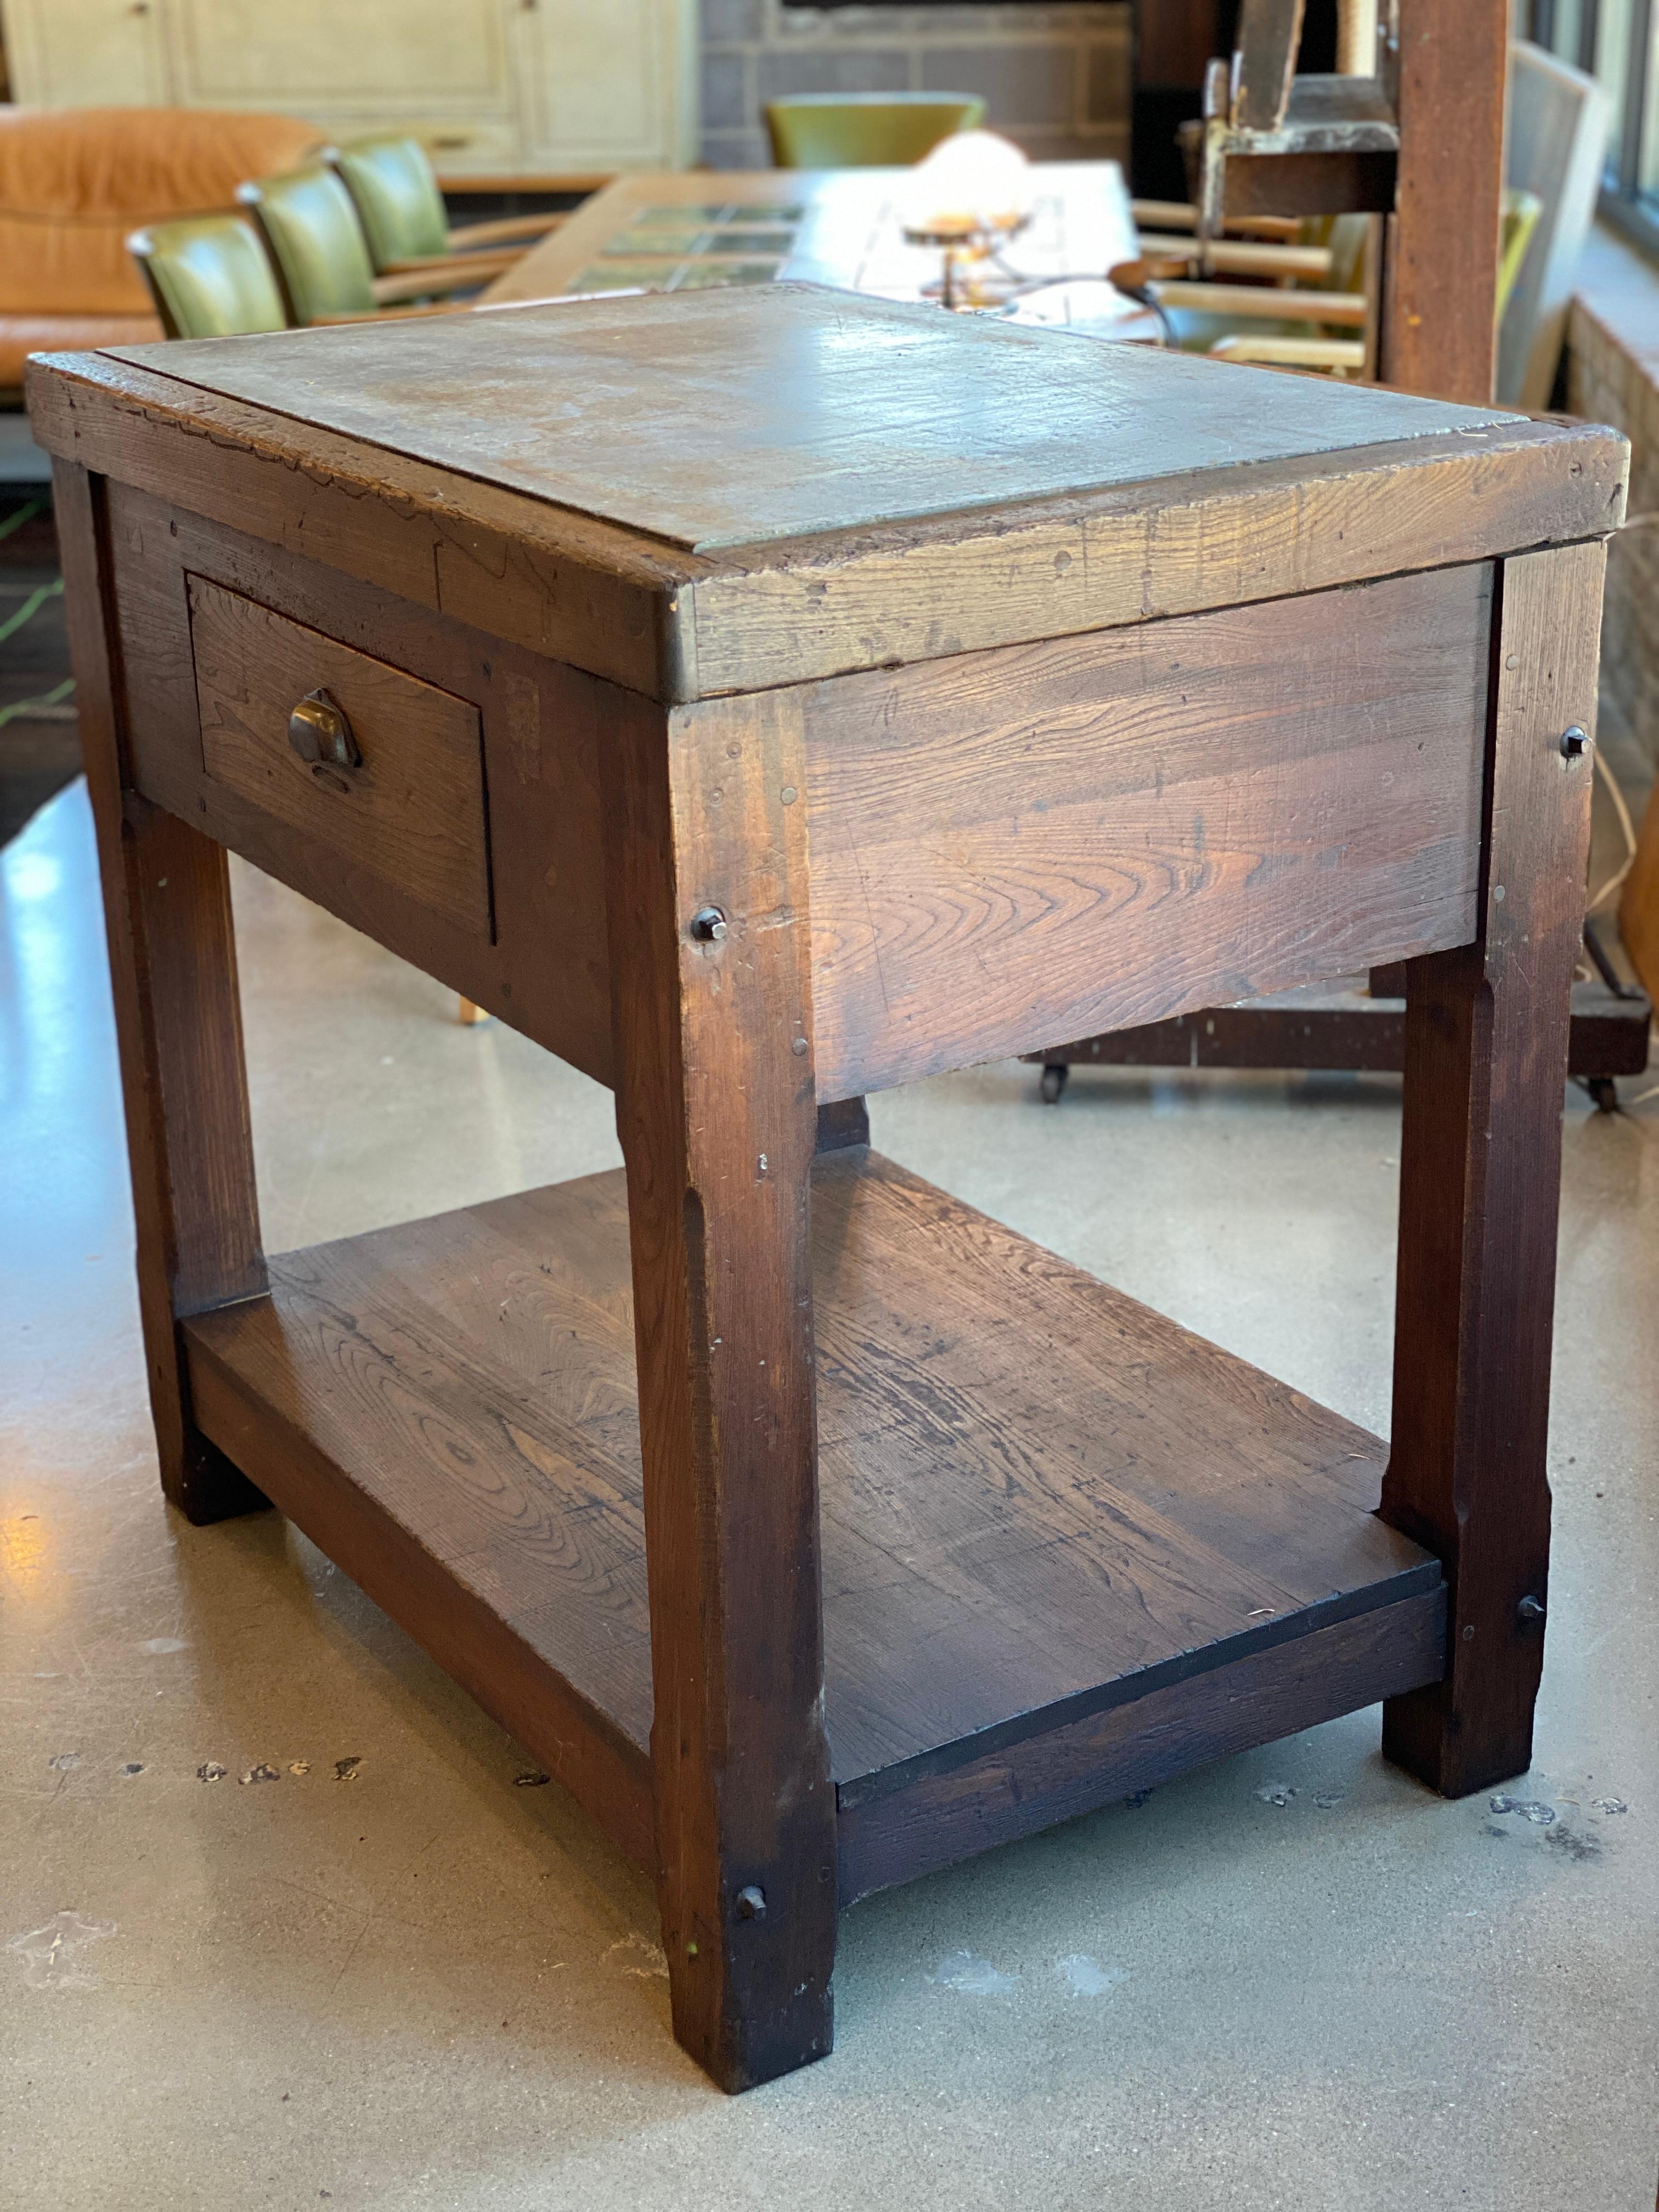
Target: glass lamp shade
{"points": [[972, 181]]}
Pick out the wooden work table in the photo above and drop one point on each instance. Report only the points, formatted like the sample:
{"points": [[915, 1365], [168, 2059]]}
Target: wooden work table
{"points": [[759, 700]]}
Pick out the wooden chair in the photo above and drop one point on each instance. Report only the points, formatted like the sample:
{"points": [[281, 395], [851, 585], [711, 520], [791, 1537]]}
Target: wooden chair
{"points": [[865, 130], [405, 221], [1290, 330], [309, 222]]}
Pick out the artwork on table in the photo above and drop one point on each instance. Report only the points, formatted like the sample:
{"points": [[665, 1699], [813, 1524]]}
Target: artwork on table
{"points": [[693, 249]]}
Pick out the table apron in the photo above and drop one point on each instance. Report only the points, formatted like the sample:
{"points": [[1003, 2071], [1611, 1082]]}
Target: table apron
{"points": [[1045, 841]]}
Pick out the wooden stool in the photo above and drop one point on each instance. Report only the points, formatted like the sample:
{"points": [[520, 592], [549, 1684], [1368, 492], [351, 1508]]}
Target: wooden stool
{"points": [[759, 700]]}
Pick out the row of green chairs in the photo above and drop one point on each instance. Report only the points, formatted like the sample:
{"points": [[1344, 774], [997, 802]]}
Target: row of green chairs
{"points": [[359, 232]]}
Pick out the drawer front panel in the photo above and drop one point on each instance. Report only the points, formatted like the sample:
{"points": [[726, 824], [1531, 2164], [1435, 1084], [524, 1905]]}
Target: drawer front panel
{"points": [[1047, 841], [471, 844], [411, 813]]}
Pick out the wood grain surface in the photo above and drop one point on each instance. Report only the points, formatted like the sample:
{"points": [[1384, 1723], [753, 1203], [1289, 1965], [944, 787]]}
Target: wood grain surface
{"points": [[1015, 847], [546, 971], [1480, 1182], [680, 625], [412, 814], [178, 1027], [1038, 1498], [1081, 1765], [719, 1128], [816, 410]]}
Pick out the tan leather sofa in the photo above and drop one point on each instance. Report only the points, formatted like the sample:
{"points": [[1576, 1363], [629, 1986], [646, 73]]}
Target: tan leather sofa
{"points": [[75, 181]]}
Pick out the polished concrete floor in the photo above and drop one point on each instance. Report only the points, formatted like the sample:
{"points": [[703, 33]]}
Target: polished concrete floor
{"points": [[281, 1921]]}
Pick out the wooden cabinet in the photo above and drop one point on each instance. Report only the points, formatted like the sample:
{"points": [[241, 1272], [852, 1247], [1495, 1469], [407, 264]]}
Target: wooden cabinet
{"points": [[491, 86]]}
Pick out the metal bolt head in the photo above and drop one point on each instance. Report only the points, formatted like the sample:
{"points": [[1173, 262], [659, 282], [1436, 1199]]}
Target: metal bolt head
{"points": [[752, 1904], [708, 926], [1529, 1610], [1575, 740]]}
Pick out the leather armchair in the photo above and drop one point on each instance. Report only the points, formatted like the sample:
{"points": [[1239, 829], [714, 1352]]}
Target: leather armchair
{"points": [[74, 182]]}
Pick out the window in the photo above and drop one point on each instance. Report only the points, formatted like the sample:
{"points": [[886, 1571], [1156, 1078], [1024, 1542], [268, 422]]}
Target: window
{"points": [[1617, 41]]}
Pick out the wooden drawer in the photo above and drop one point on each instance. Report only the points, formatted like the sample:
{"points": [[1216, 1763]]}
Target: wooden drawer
{"points": [[410, 810], [468, 842]]}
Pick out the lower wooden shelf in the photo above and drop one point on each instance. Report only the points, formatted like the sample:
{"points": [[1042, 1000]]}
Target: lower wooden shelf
{"points": [[1069, 1548]]}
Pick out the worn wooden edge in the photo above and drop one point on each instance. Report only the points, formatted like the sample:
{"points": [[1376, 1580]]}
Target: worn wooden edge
{"points": [[579, 1744], [1078, 1766], [799, 609], [679, 626], [1412, 1580], [603, 598]]}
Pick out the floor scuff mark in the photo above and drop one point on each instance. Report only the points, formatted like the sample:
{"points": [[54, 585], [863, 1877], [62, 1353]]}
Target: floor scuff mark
{"points": [[211, 1771], [51, 1954], [1085, 1978], [260, 1773], [973, 1976], [345, 1770], [638, 1956], [1529, 1808]]}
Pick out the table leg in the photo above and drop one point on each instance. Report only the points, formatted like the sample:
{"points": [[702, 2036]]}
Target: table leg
{"points": [[706, 817], [1480, 1157], [178, 1027]]}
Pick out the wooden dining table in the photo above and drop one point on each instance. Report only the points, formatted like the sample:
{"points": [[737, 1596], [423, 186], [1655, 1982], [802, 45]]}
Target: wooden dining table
{"points": [[695, 230]]}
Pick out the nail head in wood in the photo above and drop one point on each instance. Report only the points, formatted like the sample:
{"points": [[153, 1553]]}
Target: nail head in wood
{"points": [[752, 1904], [1575, 740], [708, 926], [1529, 1610]]}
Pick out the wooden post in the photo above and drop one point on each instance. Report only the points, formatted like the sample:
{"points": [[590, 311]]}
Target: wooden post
{"points": [[706, 817], [1441, 277], [1481, 1156], [179, 1028]]}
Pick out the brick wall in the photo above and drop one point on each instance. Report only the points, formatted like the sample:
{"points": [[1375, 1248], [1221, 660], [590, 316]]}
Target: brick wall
{"points": [[1612, 376], [1055, 78]]}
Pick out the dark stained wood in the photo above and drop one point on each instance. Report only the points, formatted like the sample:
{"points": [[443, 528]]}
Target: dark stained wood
{"points": [[1353, 1029], [1438, 334], [846, 1121], [705, 810], [765, 1488], [412, 814], [1481, 1154], [501, 1535], [1058, 839], [1359, 182], [1039, 1499], [545, 971], [172, 967], [1084, 1764]]}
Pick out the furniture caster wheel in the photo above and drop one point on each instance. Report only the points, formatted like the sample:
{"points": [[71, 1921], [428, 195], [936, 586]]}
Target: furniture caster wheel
{"points": [[1604, 1093], [1053, 1082]]}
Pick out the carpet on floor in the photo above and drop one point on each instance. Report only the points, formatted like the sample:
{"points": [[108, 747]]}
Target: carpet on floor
{"points": [[39, 740]]}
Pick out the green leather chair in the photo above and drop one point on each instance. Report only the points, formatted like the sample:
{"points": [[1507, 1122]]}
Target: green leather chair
{"points": [[865, 130], [309, 222], [209, 277], [402, 208]]}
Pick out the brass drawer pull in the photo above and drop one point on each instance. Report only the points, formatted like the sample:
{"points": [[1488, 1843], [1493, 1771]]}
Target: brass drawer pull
{"points": [[321, 733]]}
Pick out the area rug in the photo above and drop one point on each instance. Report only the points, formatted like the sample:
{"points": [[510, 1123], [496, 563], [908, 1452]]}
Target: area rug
{"points": [[39, 743]]}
